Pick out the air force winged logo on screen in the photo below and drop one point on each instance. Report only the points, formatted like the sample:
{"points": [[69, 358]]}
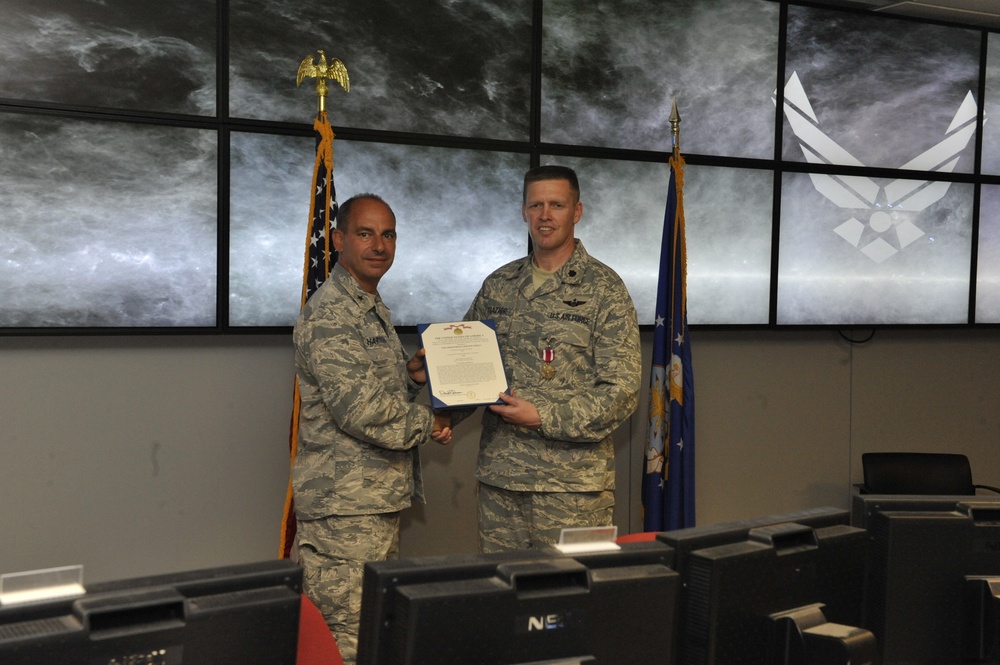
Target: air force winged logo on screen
{"points": [[889, 228]]}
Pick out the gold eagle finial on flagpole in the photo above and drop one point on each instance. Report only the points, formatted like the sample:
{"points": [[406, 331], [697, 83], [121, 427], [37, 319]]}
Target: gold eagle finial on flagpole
{"points": [[322, 71]]}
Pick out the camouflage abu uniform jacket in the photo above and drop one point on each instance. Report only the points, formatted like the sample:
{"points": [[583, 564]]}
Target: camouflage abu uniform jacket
{"points": [[586, 316], [358, 427]]}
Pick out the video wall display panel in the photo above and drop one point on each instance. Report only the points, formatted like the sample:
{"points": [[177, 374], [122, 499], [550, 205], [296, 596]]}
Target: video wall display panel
{"points": [[988, 268], [611, 70], [123, 168], [991, 107], [106, 224], [728, 215], [887, 266], [269, 195], [728, 219], [457, 219], [448, 68], [120, 54], [879, 92]]}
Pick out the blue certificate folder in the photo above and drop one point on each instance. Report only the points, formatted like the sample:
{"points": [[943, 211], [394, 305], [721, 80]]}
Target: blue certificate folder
{"points": [[463, 363]]}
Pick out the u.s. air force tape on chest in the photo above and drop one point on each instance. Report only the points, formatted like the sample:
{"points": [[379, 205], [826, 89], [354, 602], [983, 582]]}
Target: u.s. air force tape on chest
{"points": [[463, 362]]}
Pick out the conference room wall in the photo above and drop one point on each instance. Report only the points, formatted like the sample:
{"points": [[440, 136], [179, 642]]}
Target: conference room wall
{"points": [[142, 455]]}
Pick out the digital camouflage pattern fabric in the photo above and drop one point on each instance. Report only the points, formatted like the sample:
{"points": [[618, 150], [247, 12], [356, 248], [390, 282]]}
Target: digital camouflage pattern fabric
{"points": [[581, 323], [535, 520], [358, 428], [332, 552]]}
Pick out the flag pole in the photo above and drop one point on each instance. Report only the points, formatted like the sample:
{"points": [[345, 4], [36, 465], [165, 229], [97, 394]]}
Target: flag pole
{"points": [[679, 496], [668, 478], [319, 257], [675, 128]]}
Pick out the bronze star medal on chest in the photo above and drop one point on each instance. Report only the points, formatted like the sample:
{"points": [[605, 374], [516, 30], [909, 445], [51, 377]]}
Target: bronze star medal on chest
{"points": [[548, 355]]}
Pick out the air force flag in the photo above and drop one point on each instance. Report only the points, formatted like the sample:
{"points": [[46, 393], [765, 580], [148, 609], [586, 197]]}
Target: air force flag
{"points": [[668, 481]]}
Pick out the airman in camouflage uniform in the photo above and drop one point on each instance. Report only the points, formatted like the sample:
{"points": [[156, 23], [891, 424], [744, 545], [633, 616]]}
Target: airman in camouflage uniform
{"points": [[357, 463], [569, 337]]}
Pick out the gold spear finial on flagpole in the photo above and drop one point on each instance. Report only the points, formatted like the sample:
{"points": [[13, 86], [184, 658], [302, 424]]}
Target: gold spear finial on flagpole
{"points": [[675, 127], [322, 71]]}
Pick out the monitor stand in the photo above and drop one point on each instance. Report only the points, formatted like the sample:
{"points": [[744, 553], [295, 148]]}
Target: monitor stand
{"points": [[803, 636]]}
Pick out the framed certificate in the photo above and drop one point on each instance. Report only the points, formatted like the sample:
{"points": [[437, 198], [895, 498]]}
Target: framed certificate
{"points": [[463, 362]]}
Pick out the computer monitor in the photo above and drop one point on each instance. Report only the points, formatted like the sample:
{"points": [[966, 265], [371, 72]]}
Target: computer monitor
{"points": [[235, 614], [922, 581], [981, 638], [691, 539], [863, 506], [787, 594], [685, 541], [520, 608], [981, 620]]}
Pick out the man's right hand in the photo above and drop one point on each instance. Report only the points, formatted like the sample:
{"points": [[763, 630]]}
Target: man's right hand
{"points": [[441, 430]]}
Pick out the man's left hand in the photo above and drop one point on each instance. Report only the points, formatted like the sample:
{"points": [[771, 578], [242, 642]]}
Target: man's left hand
{"points": [[517, 411]]}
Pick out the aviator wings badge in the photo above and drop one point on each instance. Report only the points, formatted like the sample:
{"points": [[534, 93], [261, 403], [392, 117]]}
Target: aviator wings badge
{"points": [[886, 207]]}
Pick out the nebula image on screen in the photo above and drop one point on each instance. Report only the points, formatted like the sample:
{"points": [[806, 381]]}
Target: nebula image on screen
{"points": [[991, 106], [988, 266], [454, 68], [121, 54], [101, 230], [881, 266], [882, 92], [610, 72]]}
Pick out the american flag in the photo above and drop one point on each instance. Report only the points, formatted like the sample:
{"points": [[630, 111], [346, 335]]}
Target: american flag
{"points": [[319, 259]]}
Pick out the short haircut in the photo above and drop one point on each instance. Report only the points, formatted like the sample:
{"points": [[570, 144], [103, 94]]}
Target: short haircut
{"points": [[551, 172], [344, 211]]}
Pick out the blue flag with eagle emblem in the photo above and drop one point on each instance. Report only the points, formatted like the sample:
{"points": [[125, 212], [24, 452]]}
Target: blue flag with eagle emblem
{"points": [[668, 481], [320, 256]]}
